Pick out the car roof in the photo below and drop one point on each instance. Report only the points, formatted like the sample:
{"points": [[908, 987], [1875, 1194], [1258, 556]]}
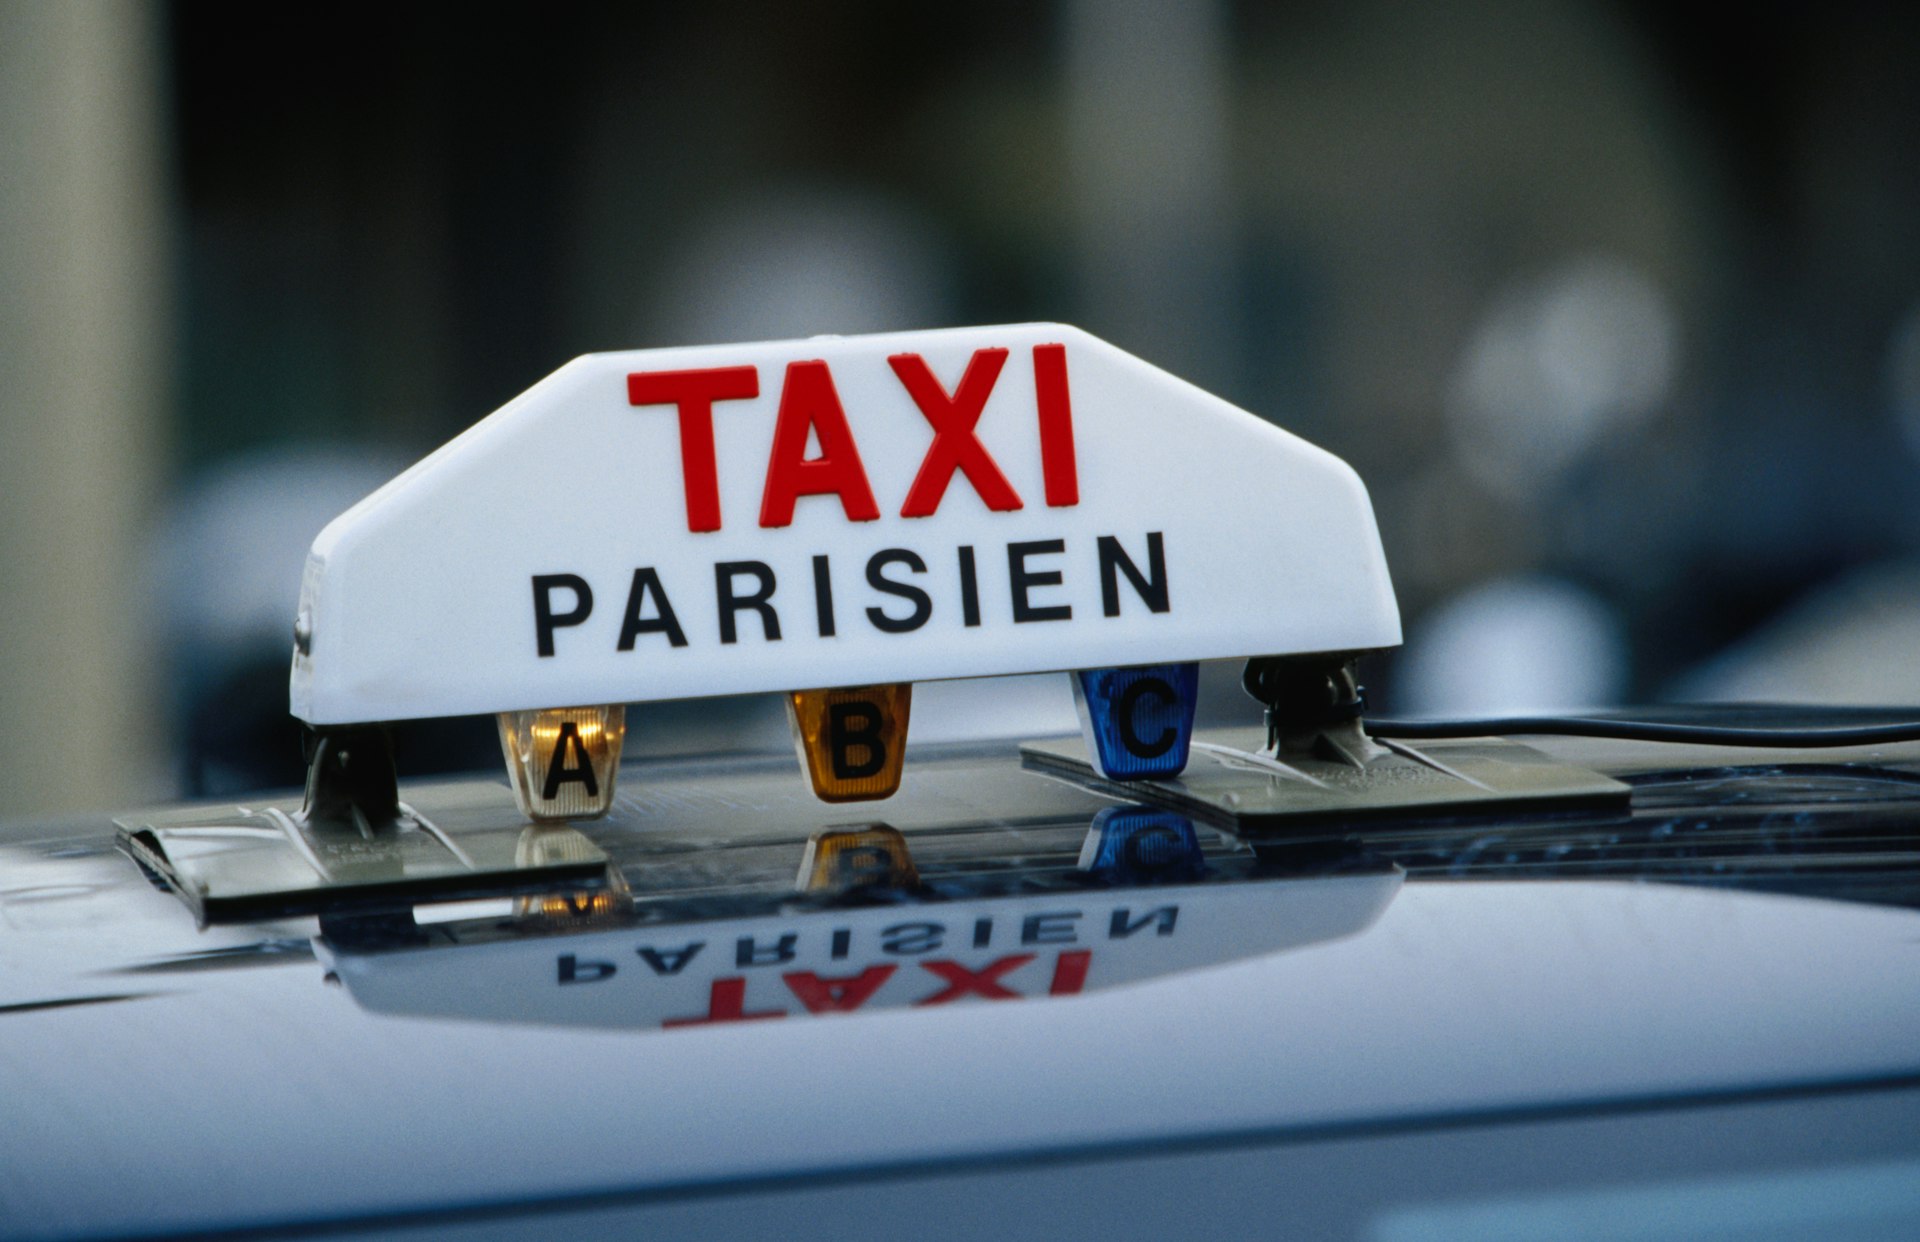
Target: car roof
{"points": [[1745, 931]]}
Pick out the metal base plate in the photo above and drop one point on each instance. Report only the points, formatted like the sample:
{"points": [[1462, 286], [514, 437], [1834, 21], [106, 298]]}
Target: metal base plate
{"points": [[1232, 783], [247, 863]]}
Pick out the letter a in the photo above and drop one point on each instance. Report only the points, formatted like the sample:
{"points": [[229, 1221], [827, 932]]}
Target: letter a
{"points": [[837, 995], [808, 400]]}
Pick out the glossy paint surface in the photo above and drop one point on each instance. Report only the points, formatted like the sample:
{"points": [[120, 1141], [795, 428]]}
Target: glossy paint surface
{"points": [[163, 1080]]}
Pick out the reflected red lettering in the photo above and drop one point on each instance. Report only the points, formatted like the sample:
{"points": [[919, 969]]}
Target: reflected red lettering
{"points": [[984, 982], [1070, 973], [727, 1003], [842, 995]]}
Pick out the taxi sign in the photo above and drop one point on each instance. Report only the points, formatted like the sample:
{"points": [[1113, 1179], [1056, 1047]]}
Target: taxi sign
{"points": [[677, 972], [833, 512]]}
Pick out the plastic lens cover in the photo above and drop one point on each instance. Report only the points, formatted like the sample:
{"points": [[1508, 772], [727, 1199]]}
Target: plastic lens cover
{"points": [[1138, 721], [562, 761], [851, 741]]}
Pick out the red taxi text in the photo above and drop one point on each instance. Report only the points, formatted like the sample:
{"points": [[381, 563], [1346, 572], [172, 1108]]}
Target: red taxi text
{"points": [[811, 410], [1044, 939]]}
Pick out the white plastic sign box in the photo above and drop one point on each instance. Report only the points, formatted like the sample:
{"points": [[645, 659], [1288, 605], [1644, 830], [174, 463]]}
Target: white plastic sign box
{"points": [[677, 523]]}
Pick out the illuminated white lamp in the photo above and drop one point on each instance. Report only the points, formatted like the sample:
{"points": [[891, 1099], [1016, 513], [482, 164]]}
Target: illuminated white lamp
{"points": [[562, 761]]}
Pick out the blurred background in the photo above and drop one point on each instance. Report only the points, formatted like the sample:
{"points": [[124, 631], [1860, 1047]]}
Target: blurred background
{"points": [[1615, 305]]}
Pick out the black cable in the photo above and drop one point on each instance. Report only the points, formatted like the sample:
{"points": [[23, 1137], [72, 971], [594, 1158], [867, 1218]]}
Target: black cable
{"points": [[1650, 731]]}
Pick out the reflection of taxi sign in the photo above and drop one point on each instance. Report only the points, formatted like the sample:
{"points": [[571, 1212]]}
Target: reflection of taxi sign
{"points": [[845, 859], [1142, 845], [834, 519]]}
